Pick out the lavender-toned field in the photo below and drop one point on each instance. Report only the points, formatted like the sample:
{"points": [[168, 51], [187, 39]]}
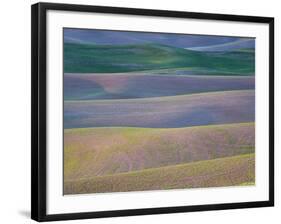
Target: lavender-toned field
{"points": [[163, 112], [93, 152], [132, 85]]}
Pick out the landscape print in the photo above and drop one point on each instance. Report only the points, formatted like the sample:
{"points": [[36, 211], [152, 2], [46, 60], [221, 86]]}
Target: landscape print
{"points": [[157, 111]]}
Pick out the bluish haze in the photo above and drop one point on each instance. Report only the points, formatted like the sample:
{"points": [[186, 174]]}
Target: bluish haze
{"points": [[195, 42]]}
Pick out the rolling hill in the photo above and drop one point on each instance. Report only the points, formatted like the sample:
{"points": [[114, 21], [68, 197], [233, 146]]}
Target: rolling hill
{"points": [[131, 85], [229, 171], [163, 112], [90, 58], [90, 152], [229, 46]]}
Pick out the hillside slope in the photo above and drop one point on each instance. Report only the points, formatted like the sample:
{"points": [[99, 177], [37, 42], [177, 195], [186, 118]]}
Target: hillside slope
{"points": [[131, 85], [90, 58], [163, 112], [229, 171], [90, 152]]}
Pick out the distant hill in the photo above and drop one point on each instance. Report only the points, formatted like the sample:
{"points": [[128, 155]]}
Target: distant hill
{"points": [[115, 37], [230, 46], [90, 58]]}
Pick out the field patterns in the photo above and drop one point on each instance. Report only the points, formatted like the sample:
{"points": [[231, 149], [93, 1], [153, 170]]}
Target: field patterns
{"points": [[157, 111]]}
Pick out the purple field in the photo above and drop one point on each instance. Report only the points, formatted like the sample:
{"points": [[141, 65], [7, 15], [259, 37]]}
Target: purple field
{"points": [[163, 112], [140, 85]]}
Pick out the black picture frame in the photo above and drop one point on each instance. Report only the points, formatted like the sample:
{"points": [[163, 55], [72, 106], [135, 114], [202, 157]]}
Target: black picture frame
{"points": [[38, 108]]}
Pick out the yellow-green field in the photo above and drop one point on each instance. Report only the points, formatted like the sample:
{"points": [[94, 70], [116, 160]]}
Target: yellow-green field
{"points": [[229, 171], [129, 159]]}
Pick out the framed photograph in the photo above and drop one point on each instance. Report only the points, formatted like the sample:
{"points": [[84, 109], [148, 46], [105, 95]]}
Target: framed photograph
{"points": [[139, 111]]}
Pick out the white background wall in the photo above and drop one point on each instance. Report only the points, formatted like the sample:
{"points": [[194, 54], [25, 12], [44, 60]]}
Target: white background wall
{"points": [[15, 110]]}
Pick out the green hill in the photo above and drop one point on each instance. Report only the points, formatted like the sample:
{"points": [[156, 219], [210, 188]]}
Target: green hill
{"points": [[89, 58]]}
